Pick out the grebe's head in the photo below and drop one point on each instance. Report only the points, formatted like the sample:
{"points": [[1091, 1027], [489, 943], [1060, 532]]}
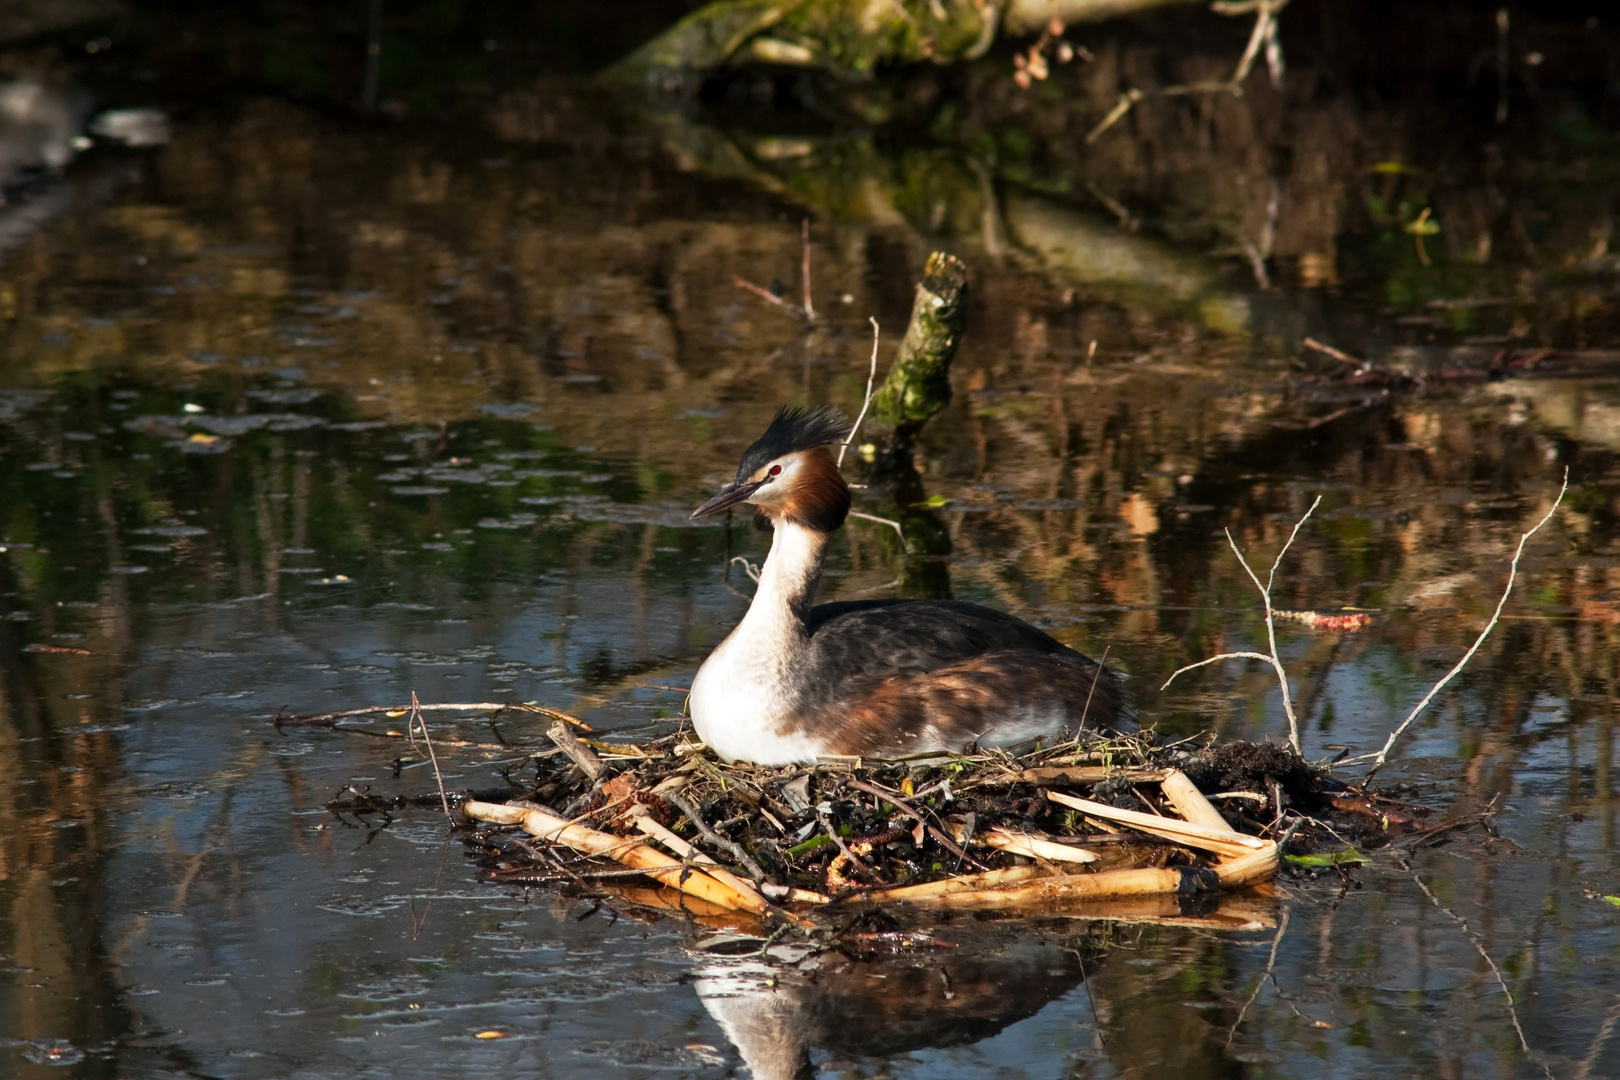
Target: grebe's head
{"points": [[788, 475]]}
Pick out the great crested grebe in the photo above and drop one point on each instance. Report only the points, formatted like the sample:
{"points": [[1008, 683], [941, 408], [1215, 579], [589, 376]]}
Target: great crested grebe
{"points": [[877, 678]]}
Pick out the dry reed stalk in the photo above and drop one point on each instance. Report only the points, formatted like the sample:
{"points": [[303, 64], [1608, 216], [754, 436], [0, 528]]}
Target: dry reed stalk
{"points": [[1190, 802], [1248, 869], [1169, 881], [632, 853], [961, 884], [1224, 841], [711, 915], [649, 825], [1037, 847]]}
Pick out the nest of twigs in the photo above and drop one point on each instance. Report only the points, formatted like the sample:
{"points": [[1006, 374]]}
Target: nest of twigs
{"points": [[1090, 821]]}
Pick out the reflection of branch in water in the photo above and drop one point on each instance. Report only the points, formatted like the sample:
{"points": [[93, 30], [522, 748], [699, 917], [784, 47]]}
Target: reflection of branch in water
{"points": [[1264, 34], [1269, 973], [1513, 1012], [1609, 1020]]}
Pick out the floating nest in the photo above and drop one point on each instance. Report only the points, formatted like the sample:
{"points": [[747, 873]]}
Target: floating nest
{"points": [[1122, 823]]}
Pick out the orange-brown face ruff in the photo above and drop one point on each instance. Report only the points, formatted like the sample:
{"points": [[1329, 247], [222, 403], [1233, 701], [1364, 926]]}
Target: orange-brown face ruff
{"points": [[788, 474]]}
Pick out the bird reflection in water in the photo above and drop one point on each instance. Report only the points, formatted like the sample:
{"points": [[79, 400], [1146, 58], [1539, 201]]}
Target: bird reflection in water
{"points": [[891, 993]]}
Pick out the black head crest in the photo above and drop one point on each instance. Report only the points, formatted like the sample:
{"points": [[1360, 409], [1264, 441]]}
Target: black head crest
{"points": [[794, 429]]}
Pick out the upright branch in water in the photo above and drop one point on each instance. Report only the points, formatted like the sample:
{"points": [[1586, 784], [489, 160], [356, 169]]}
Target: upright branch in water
{"points": [[919, 383], [1271, 628], [1513, 571]]}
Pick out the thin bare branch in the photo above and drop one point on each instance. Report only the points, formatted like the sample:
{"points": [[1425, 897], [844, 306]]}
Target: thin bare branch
{"points": [[866, 403], [417, 718], [1215, 659], [1513, 571], [890, 522], [769, 297], [328, 719], [804, 273]]}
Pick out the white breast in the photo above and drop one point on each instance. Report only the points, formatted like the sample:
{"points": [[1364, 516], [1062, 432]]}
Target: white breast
{"points": [[740, 704], [743, 696]]}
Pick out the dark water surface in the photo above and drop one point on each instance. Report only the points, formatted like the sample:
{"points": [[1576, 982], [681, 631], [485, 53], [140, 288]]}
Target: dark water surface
{"points": [[304, 413]]}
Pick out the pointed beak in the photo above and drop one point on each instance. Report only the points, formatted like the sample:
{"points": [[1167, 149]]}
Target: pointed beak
{"points": [[730, 495]]}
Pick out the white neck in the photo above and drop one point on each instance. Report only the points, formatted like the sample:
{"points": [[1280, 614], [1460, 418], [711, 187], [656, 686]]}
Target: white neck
{"points": [[787, 583], [745, 688]]}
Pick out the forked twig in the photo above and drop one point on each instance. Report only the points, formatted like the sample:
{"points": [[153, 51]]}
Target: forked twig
{"points": [[1271, 628], [1513, 571]]}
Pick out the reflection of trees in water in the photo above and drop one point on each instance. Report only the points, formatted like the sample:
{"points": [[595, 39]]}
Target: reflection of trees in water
{"points": [[56, 819], [424, 275]]}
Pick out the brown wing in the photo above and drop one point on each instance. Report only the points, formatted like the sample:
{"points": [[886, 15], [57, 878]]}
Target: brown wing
{"points": [[998, 698]]}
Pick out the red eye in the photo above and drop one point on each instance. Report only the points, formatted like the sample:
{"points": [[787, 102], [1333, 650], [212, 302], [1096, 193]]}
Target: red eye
{"points": [[776, 470]]}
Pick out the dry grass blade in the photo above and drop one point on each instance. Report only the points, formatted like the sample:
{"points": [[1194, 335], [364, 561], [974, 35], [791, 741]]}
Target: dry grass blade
{"points": [[1222, 842]]}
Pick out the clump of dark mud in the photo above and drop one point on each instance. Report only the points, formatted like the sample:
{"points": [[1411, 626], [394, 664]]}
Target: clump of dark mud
{"points": [[1257, 767]]}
